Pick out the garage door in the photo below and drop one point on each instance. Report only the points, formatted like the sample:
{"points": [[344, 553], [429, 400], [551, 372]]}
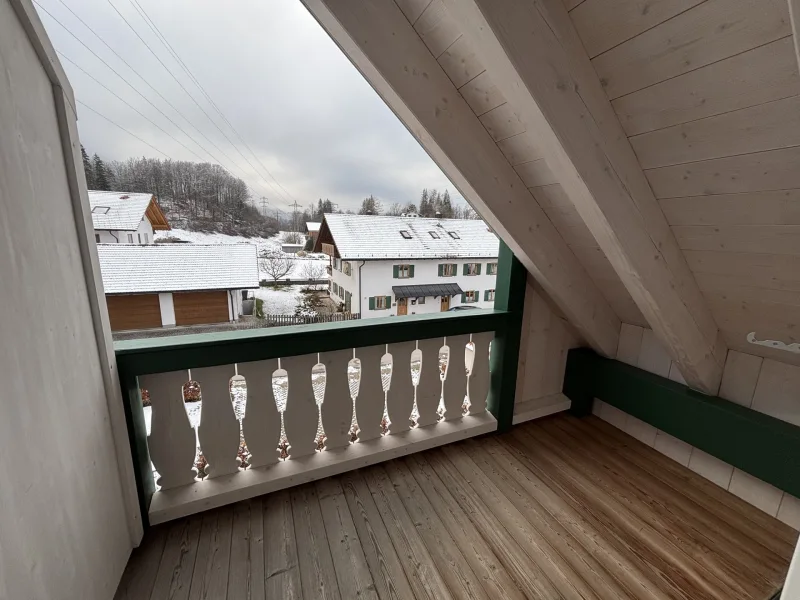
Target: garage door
{"points": [[193, 308], [136, 311]]}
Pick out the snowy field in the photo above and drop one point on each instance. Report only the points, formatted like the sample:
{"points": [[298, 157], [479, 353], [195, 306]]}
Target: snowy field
{"points": [[280, 300], [274, 243]]}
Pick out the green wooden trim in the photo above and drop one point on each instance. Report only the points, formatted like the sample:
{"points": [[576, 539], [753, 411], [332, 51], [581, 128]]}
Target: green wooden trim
{"points": [[137, 438], [159, 355], [479, 268], [763, 446], [396, 271], [510, 298], [410, 271]]}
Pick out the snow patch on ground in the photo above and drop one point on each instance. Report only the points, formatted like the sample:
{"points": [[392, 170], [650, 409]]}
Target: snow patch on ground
{"points": [[280, 300]]}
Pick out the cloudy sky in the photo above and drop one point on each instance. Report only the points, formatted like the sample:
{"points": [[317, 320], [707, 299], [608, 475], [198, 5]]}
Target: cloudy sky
{"points": [[294, 98]]}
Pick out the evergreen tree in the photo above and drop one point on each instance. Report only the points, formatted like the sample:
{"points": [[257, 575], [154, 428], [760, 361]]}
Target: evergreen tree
{"points": [[101, 174], [88, 170], [370, 206], [446, 206], [410, 208], [424, 204]]}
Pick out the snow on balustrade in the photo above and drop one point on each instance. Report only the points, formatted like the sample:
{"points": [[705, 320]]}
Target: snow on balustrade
{"points": [[215, 422]]}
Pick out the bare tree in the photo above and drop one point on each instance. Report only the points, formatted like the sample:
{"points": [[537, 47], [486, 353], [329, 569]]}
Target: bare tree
{"points": [[395, 210], [274, 263], [292, 237], [313, 271]]}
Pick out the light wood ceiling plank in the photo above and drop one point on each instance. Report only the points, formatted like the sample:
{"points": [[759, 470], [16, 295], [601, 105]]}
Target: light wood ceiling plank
{"points": [[503, 122], [711, 31], [756, 129], [754, 269], [482, 94], [378, 39], [760, 75], [781, 207], [460, 62], [767, 239], [436, 28], [538, 62]]}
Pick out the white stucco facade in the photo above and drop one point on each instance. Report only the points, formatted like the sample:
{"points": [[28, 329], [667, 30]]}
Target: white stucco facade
{"points": [[377, 279], [143, 235]]}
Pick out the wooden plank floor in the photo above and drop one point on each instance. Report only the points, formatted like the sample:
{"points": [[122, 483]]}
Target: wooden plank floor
{"points": [[558, 508]]}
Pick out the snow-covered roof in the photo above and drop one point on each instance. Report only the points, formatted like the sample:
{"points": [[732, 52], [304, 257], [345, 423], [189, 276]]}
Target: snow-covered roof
{"points": [[379, 237], [121, 211], [312, 226], [130, 268]]}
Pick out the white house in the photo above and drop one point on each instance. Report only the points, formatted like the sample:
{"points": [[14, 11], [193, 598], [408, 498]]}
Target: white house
{"points": [[125, 217], [382, 266], [159, 285]]}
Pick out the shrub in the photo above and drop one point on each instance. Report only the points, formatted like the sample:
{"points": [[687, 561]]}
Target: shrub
{"points": [[259, 308]]}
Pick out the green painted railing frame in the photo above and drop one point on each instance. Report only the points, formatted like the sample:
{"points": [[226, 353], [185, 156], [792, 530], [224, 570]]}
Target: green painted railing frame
{"points": [[758, 444], [160, 355]]}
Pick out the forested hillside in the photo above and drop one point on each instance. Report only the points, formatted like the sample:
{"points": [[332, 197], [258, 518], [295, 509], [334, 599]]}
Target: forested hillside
{"points": [[195, 196]]}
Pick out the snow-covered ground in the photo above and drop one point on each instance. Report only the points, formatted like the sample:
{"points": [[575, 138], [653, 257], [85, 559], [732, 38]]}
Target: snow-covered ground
{"points": [[280, 300], [274, 243]]}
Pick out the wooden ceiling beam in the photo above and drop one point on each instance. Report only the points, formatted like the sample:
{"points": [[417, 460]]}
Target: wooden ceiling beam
{"points": [[537, 61], [383, 45]]}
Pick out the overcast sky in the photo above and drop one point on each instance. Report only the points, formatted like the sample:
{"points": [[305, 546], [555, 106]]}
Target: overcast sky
{"points": [[296, 100]]}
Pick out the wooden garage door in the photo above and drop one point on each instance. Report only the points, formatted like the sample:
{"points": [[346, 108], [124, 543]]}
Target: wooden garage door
{"points": [[136, 311], [192, 308]]}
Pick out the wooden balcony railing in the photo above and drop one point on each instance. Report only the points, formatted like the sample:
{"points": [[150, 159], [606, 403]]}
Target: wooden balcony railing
{"points": [[271, 408]]}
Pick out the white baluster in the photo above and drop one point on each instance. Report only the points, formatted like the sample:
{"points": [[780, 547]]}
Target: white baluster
{"points": [[369, 404], [262, 423], [455, 386], [416, 374], [301, 409], [337, 411], [319, 380], [172, 439], [443, 365], [480, 379], [401, 395], [387, 368], [219, 429], [429, 389], [354, 385]]}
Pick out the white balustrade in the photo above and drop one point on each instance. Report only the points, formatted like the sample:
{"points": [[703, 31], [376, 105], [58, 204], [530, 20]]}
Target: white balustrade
{"points": [[300, 418]]}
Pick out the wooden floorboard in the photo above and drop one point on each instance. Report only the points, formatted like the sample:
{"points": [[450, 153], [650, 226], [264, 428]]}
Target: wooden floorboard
{"points": [[559, 508]]}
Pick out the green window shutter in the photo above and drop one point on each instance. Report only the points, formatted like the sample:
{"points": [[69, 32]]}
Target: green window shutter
{"points": [[411, 271], [486, 295], [454, 268], [396, 270], [466, 268], [372, 302], [388, 302], [464, 298], [441, 270], [479, 268]]}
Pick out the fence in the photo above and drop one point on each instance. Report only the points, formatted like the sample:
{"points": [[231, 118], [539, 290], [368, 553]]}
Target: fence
{"points": [[281, 320]]}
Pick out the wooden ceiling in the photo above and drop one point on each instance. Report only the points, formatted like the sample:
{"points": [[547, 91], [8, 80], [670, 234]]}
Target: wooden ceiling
{"points": [[657, 141]]}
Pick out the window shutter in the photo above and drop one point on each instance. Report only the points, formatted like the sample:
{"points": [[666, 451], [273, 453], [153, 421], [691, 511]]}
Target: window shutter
{"points": [[454, 268], [464, 298], [479, 268], [411, 271], [466, 269], [486, 295], [388, 302], [441, 267], [372, 302], [396, 271]]}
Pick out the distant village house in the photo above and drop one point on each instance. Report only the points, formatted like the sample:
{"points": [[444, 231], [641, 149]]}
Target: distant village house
{"points": [[125, 217], [382, 266]]}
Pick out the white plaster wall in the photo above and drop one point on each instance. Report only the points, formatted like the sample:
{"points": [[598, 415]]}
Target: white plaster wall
{"points": [[144, 228], [377, 279], [109, 237], [167, 306], [63, 529], [762, 384]]}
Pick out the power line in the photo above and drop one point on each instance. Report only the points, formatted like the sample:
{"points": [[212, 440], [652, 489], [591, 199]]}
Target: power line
{"points": [[123, 129], [145, 98], [162, 38], [191, 97], [121, 99]]}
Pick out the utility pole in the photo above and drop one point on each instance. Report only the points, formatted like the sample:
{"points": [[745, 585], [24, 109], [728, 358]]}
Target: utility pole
{"points": [[295, 206], [264, 205]]}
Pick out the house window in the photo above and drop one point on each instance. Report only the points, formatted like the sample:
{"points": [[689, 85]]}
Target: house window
{"points": [[421, 300], [337, 264], [346, 269], [434, 235], [100, 210], [453, 235], [380, 302], [403, 271], [491, 268], [406, 235], [139, 236], [146, 238], [488, 296], [472, 268], [97, 237], [130, 238], [447, 270], [469, 297]]}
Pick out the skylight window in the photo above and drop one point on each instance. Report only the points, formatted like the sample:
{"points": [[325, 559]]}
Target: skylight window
{"points": [[434, 235], [101, 210], [453, 235], [406, 235]]}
